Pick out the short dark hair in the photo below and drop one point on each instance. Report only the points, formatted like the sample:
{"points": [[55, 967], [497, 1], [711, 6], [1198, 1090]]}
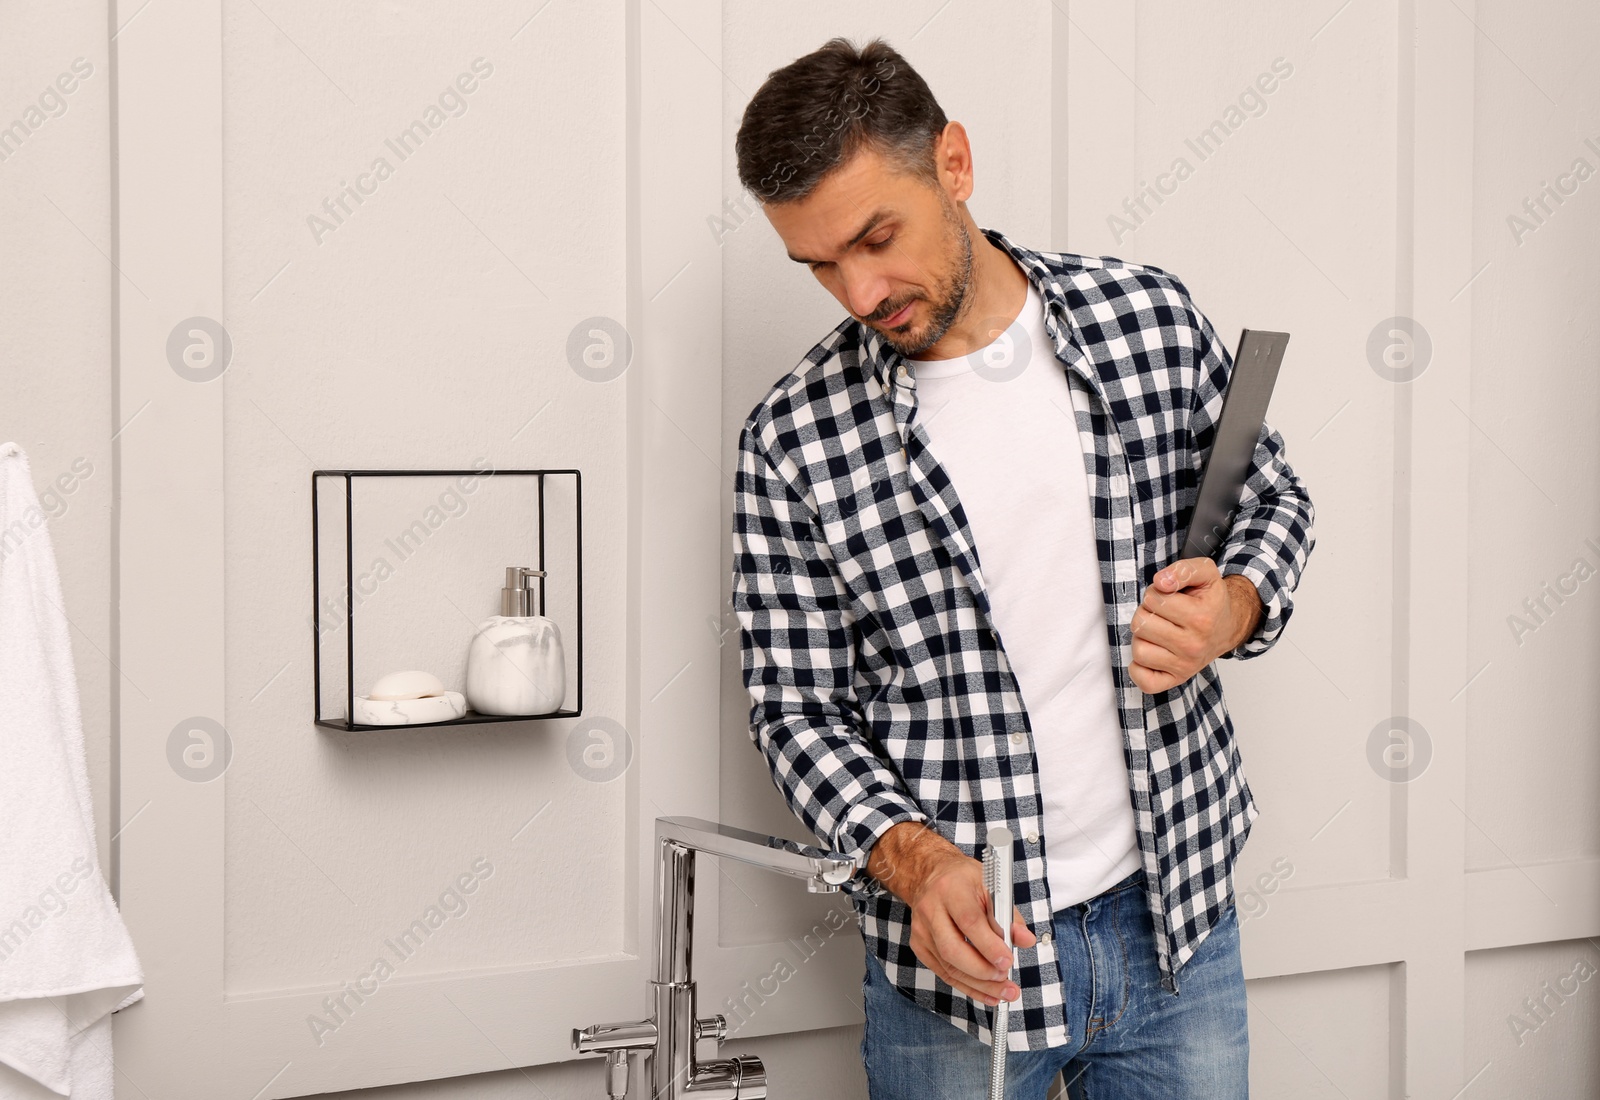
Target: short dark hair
{"points": [[816, 112]]}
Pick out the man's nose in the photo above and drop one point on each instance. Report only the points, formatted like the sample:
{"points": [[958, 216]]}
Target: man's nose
{"points": [[865, 292]]}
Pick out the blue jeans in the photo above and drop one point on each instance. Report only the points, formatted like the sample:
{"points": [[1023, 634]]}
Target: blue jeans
{"points": [[1128, 1039]]}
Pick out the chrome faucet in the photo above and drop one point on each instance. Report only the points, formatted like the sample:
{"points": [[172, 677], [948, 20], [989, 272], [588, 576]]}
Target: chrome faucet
{"points": [[669, 1039]]}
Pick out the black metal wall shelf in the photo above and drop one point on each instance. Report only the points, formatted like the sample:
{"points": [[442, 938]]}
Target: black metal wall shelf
{"points": [[471, 717]]}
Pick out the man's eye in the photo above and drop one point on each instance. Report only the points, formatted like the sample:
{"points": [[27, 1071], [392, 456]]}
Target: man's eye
{"points": [[875, 245]]}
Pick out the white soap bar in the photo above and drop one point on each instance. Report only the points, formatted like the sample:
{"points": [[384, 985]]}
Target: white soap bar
{"points": [[406, 685]]}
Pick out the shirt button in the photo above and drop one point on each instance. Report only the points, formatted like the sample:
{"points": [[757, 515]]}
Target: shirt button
{"points": [[1033, 838], [902, 371], [1045, 938], [1016, 738]]}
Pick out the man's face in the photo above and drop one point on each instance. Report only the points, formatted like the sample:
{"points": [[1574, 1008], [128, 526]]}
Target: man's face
{"points": [[890, 246]]}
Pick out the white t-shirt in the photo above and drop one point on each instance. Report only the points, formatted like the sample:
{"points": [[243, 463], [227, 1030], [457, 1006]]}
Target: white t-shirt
{"points": [[1001, 423]]}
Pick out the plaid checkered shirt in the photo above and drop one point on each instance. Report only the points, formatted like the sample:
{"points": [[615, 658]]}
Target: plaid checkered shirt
{"points": [[880, 690]]}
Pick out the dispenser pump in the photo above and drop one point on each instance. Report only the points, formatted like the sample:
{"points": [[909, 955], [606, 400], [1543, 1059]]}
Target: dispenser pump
{"points": [[516, 598]]}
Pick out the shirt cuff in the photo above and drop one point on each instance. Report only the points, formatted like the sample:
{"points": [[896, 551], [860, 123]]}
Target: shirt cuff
{"points": [[1275, 605], [860, 828]]}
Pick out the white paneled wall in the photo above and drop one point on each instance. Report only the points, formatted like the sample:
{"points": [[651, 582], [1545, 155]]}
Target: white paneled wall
{"points": [[1535, 521], [56, 332], [1341, 165], [1532, 1017], [424, 328]]}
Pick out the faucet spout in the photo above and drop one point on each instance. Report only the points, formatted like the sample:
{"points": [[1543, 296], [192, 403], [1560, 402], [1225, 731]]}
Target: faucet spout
{"points": [[822, 871]]}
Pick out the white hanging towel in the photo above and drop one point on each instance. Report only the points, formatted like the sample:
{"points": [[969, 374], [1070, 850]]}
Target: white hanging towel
{"points": [[66, 960]]}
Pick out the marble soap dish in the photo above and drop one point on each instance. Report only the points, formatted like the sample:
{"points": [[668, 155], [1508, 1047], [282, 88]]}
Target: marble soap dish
{"points": [[408, 698]]}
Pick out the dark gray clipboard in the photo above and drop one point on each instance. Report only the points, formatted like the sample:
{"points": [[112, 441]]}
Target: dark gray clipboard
{"points": [[1244, 410]]}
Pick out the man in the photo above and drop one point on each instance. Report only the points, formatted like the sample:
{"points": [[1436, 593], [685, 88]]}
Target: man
{"points": [[998, 444]]}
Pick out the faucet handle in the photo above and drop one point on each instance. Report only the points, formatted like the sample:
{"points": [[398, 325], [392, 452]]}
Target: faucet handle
{"points": [[740, 1078]]}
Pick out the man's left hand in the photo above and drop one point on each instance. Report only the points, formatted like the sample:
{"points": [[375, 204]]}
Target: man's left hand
{"points": [[1191, 615]]}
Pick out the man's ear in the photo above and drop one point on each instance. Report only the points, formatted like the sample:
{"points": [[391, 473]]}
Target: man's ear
{"points": [[952, 157]]}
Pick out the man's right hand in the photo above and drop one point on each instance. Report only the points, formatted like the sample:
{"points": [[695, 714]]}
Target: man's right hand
{"points": [[952, 930]]}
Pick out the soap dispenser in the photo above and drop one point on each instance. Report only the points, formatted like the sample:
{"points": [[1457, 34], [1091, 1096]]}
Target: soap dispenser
{"points": [[516, 664]]}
